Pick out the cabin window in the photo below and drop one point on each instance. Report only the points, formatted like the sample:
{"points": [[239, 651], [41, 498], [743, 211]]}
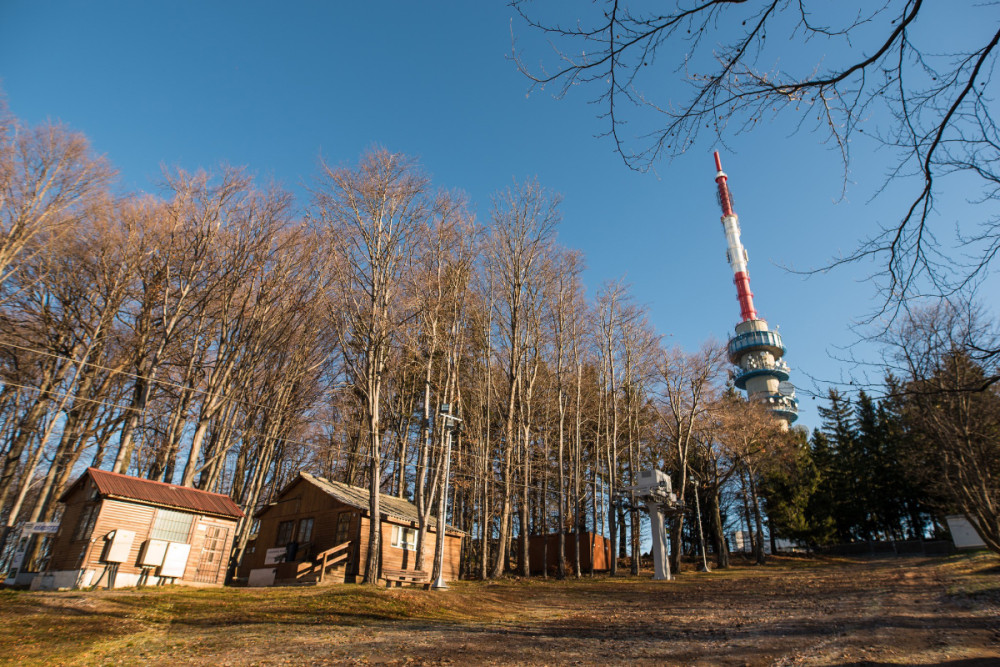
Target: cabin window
{"points": [[87, 520], [404, 538], [171, 526], [305, 530], [284, 533], [343, 528]]}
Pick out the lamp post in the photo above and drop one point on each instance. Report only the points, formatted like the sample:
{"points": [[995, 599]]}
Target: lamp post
{"points": [[449, 427], [701, 534]]}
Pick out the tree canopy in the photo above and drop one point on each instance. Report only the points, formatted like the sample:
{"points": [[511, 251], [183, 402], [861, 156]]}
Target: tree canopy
{"points": [[666, 77]]}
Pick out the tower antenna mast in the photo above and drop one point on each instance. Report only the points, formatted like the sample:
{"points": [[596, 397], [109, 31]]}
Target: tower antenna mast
{"points": [[736, 254]]}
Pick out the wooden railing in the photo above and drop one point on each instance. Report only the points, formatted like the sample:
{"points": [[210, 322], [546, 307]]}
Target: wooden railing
{"points": [[330, 558]]}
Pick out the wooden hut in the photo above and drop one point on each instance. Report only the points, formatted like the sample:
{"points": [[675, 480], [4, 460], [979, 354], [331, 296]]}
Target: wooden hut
{"points": [[316, 530], [593, 548], [119, 531]]}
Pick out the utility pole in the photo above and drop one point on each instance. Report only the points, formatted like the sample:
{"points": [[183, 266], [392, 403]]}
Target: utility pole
{"points": [[701, 533], [451, 425]]}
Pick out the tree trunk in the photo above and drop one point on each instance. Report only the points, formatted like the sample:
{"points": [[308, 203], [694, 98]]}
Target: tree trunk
{"points": [[758, 542]]}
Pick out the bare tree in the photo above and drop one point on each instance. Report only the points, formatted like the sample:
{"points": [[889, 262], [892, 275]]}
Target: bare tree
{"points": [[878, 70], [564, 300], [639, 350], [253, 260], [440, 282], [48, 178], [688, 383], [524, 219], [175, 280], [608, 310], [752, 438], [952, 410], [371, 215]]}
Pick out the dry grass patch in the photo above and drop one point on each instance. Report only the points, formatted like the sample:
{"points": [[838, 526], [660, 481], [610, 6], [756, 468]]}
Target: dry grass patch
{"points": [[792, 611]]}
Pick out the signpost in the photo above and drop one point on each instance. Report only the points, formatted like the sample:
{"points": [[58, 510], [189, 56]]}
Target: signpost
{"points": [[23, 540]]}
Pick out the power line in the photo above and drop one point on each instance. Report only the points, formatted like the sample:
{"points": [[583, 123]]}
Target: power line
{"points": [[339, 450], [163, 382]]}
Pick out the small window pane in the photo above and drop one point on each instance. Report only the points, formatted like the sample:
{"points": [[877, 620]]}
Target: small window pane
{"points": [[305, 530], [404, 538], [172, 526], [343, 528], [284, 533], [87, 520]]}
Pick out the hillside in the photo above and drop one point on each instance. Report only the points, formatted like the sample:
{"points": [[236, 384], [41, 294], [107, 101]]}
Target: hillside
{"points": [[791, 611]]}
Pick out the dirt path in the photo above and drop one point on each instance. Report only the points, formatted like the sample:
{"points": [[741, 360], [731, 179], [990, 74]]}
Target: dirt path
{"points": [[903, 611], [883, 612]]}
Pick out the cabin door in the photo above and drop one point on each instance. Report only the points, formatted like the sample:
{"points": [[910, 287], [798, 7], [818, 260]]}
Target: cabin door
{"points": [[212, 555]]}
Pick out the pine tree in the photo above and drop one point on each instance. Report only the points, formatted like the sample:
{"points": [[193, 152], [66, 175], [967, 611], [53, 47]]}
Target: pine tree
{"points": [[789, 488], [840, 470], [821, 504], [913, 498]]}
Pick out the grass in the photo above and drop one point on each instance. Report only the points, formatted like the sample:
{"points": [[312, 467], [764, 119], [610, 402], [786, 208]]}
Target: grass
{"points": [[174, 624], [88, 627]]}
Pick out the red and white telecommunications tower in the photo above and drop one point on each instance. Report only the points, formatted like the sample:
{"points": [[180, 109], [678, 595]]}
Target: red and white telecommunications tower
{"points": [[755, 351]]}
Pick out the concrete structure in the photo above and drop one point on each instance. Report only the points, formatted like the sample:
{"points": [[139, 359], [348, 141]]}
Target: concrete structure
{"points": [[655, 492], [755, 350], [963, 533]]}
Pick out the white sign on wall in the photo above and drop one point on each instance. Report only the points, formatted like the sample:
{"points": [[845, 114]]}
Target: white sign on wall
{"points": [[175, 560], [41, 527], [275, 556], [153, 553], [119, 545]]}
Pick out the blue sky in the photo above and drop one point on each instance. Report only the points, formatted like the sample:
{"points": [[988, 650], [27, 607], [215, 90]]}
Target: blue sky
{"points": [[275, 86]]}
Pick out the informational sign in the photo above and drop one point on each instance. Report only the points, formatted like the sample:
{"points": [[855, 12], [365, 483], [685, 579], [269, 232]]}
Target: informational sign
{"points": [[275, 556], [963, 535], [119, 545], [261, 577], [175, 560], [41, 527], [22, 539], [153, 553]]}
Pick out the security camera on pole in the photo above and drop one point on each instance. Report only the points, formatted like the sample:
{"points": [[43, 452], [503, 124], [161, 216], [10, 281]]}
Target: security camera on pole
{"points": [[452, 424]]}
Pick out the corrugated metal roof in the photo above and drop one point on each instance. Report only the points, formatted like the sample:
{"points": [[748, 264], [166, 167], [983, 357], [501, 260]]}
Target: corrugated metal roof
{"points": [[115, 485], [356, 496]]}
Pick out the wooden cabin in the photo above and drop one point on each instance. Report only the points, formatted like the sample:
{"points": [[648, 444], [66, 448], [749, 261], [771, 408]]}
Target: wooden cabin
{"points": [[120, 531], [316, 530], [545, 549]]}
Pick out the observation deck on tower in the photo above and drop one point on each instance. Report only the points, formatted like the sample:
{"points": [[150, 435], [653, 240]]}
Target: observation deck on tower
{"points": [[760, 370]]}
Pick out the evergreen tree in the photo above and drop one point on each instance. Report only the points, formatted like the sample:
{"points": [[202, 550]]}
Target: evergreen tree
{"points": [[840, 466], [914, 501], [821, 504], [895, 506], [789, 487], [876, 499]]}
